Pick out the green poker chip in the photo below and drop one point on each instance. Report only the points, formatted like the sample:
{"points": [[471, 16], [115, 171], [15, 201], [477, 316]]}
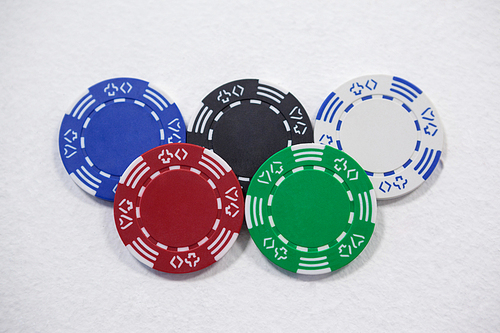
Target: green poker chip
{"points": [[310, 209]]}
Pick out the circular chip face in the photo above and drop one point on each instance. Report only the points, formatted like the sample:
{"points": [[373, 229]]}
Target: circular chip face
{"points": [[178, 208], [116, 121], [389, 126], [246, 121], [310, 209]]}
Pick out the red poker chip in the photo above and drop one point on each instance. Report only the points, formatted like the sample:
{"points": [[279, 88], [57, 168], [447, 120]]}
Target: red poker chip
{"points": [[178, 208]]}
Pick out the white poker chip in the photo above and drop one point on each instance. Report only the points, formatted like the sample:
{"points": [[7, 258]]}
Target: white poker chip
{"points": [[389, 126]]}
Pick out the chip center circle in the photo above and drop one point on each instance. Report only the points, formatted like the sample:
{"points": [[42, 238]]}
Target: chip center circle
{"points": [[311, 208], [247, 135], [117, 134], [178, 208], [380, 134]]}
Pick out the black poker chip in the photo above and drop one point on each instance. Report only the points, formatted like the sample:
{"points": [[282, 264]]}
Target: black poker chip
{"points": [[246, 122]]}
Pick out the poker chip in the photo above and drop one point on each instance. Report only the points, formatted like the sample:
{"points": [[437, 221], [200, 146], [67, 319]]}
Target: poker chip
{"points": [[178, 208], [112, 124], [389, 126], [246, 121], [310, 209]]}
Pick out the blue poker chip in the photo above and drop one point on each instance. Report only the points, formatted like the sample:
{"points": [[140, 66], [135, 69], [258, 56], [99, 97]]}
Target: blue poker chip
{"points": [[114, 123]]}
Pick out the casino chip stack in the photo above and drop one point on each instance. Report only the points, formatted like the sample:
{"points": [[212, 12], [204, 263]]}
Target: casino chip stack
{"points": [[389, 126], [178, 208], [116, 121], [246, 121], [310, 209]]}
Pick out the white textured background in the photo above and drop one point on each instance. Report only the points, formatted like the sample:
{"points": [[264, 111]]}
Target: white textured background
{"points": [[433, 262]]}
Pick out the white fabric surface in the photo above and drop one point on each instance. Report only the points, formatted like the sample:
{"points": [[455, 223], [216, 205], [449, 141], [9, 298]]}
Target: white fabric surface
{"points": [[433, 264]]}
